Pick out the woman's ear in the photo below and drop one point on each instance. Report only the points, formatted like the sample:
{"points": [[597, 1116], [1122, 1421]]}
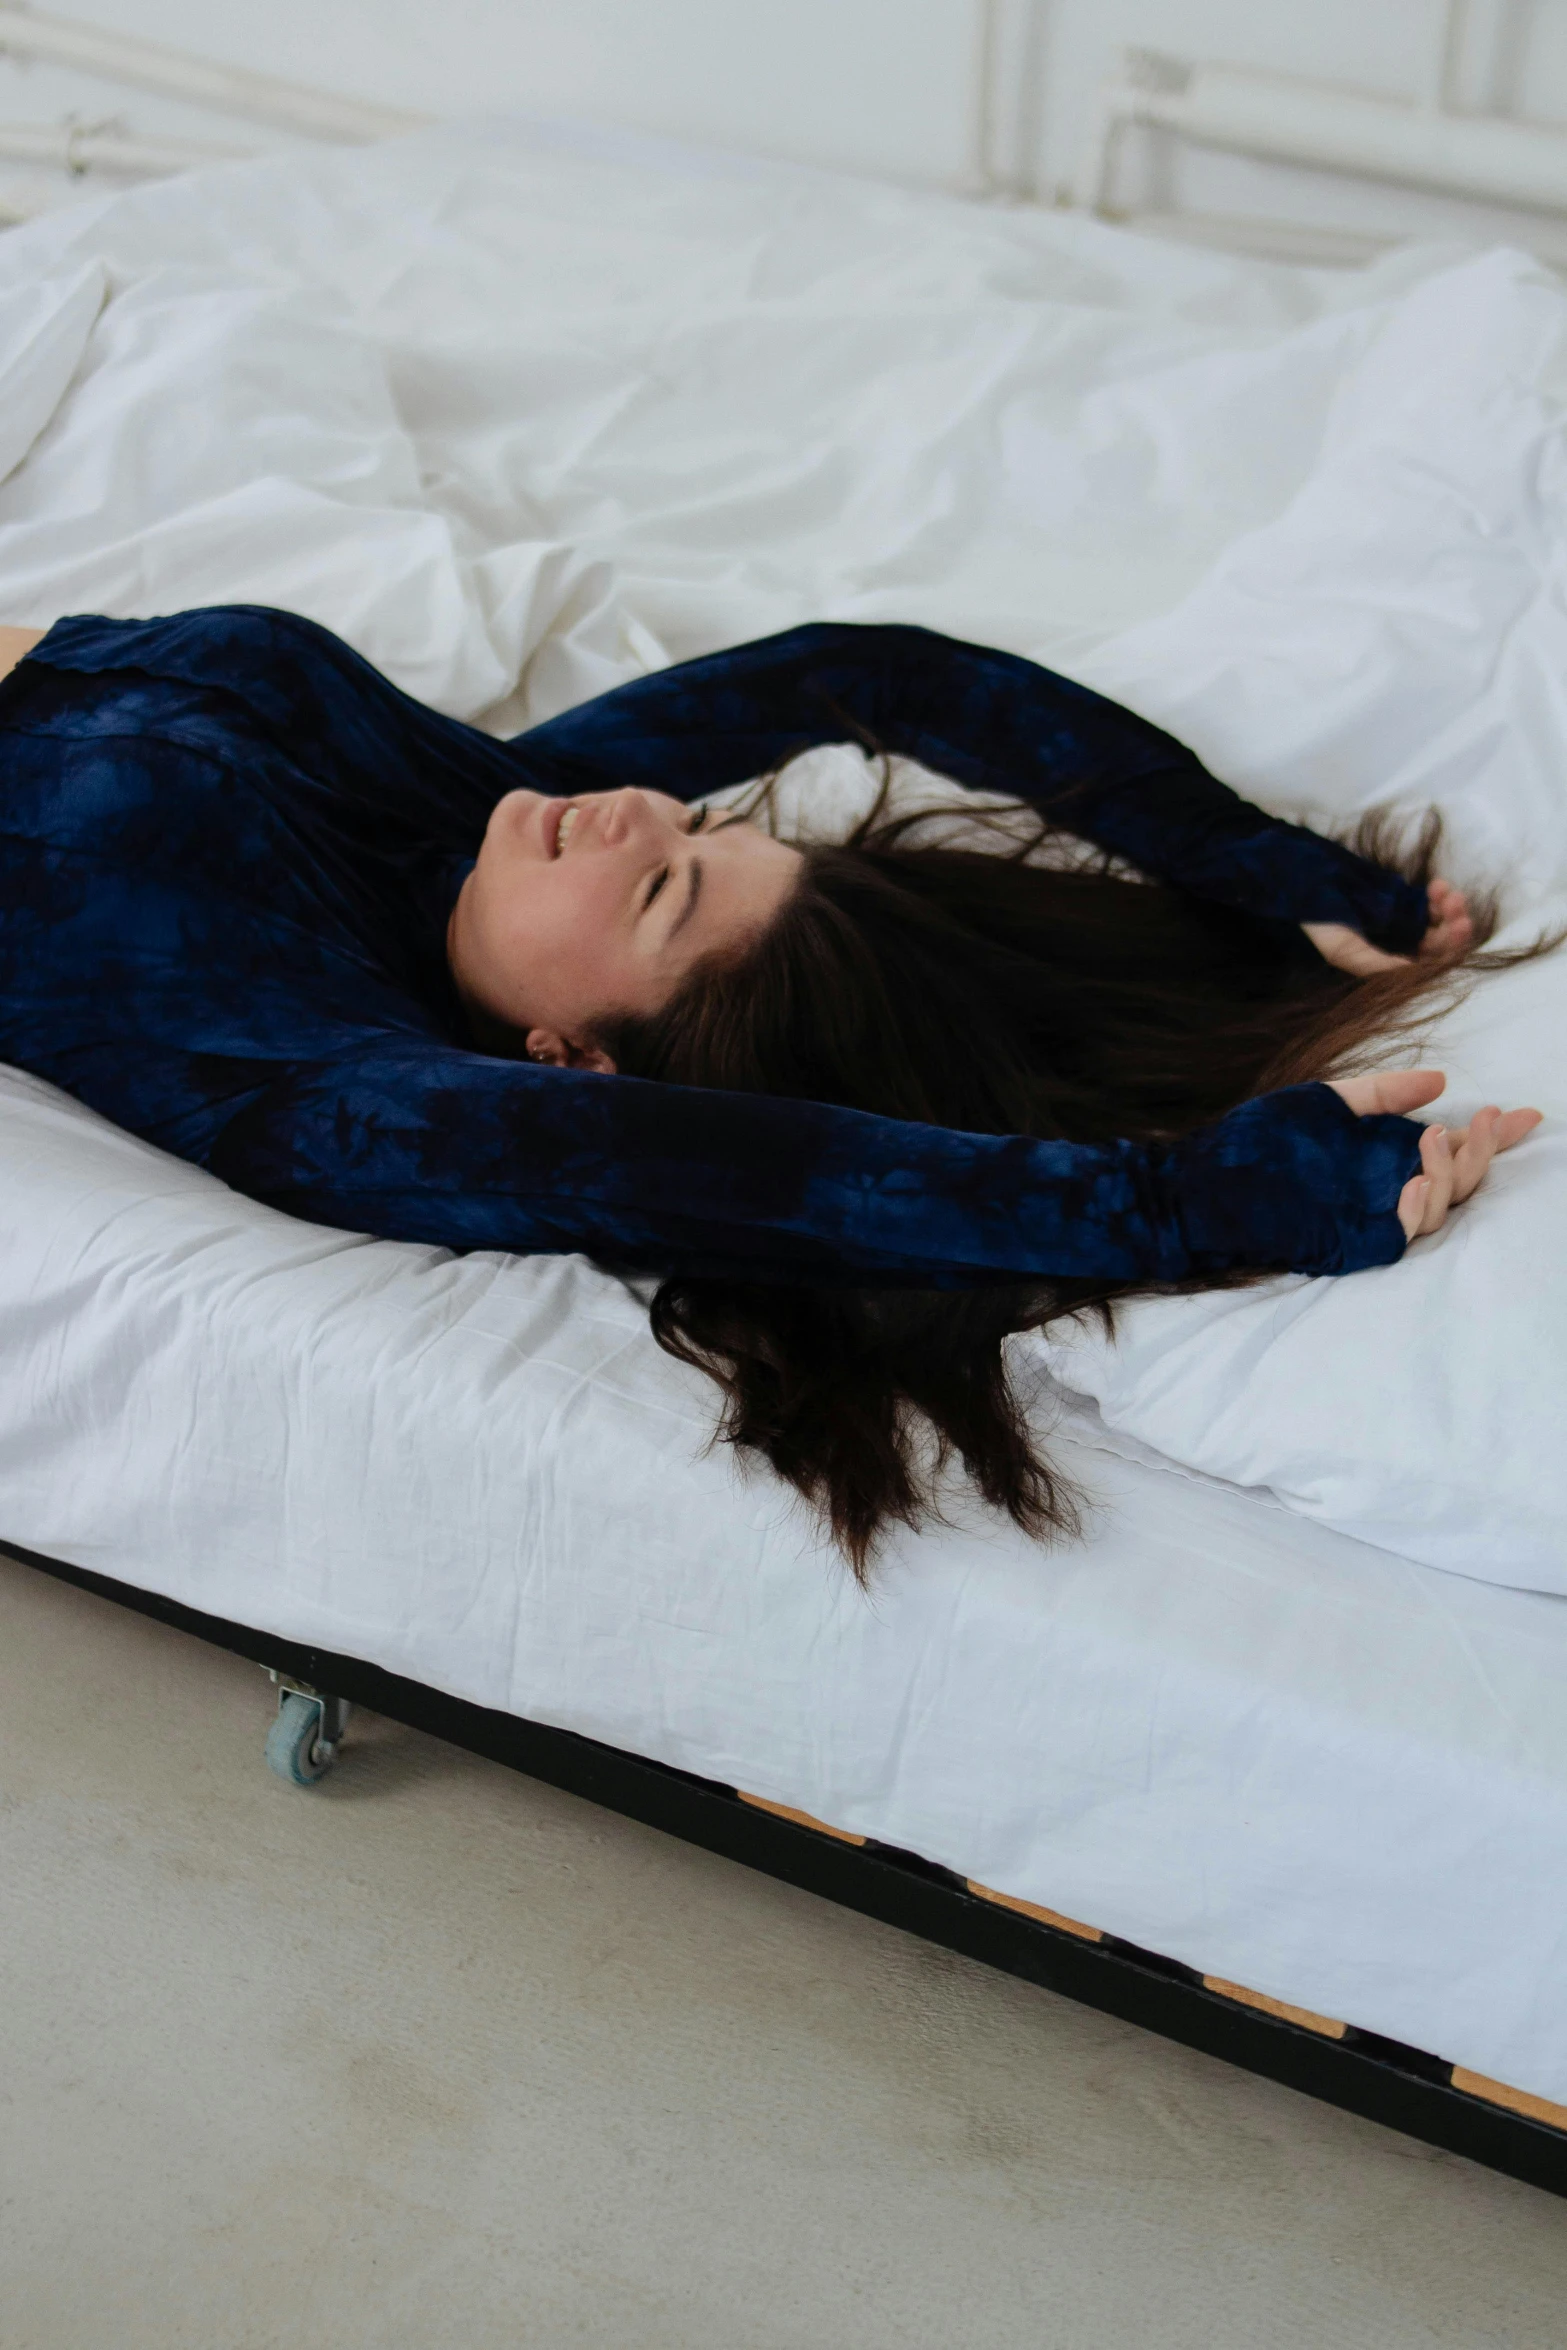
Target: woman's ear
{"points": [[544, 1044]]}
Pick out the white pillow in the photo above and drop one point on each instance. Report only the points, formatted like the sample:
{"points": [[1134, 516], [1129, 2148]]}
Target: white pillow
{"points": [[43, 332], [1418, 1406]]}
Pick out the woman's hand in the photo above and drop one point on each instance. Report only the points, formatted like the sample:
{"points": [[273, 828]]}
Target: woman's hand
{"points": [[1451, 1164], [1450, 933]]}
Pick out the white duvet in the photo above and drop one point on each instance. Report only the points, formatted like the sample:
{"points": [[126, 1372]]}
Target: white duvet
{"points": [[521, 411]]}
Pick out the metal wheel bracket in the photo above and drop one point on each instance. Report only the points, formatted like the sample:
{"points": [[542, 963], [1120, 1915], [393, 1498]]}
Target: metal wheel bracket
{"points": [[332, 1715]]}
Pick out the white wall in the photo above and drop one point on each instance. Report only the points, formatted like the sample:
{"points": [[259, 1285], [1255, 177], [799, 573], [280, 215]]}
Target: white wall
{"points": [[879, 85], [890, 87]]}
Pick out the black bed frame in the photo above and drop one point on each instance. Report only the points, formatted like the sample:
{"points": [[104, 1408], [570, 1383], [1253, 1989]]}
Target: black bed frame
{"points": [[1403, 2088]]}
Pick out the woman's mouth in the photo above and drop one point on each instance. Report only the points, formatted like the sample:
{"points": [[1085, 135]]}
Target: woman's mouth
{"points": [[561, 830]]}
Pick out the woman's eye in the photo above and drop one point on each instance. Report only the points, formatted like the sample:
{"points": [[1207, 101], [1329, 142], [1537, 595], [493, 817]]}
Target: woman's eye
{"points": [[698, 819]]}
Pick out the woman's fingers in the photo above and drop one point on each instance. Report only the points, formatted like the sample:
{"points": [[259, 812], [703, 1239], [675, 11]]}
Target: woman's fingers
{"points": [[1452, 1164], [1449, 932], [1347, 951], [1476, 1145], [1451, 928], [1439, 1166], [1412, 1205], [1515, 1124], [1390, 1092], [1395, 1092]]}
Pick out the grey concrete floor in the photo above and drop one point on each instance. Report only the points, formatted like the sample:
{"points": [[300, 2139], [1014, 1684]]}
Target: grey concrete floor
{"points": [[433, 2055]]}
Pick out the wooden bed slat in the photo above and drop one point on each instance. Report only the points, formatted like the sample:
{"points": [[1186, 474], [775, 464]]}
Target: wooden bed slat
{"points": [[1327, 2025], [1538, 2109], [801, 1819], [1031, 1909]]}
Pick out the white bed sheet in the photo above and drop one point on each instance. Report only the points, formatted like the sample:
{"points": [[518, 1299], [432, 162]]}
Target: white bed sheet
{"points": [[1269, 1751], [507, 356], [584, 397]]}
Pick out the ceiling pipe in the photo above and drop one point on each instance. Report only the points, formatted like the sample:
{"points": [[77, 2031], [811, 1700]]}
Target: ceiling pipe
{"points": [[1284, 120], [81, 147], [226, 89]]}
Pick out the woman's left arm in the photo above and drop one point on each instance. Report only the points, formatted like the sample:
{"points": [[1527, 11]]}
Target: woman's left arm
{"points": [[988, 719], [996, 722]]}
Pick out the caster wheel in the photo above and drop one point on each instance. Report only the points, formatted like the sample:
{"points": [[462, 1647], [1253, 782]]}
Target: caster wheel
{"points": [[296, 1749]]}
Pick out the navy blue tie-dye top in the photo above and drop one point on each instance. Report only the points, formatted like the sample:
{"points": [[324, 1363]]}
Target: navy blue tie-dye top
{"points": [[229, 850]]}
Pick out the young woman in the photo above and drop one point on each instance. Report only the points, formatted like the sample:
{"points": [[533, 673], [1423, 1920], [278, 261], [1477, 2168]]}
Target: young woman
{"points": [[386, 972]]}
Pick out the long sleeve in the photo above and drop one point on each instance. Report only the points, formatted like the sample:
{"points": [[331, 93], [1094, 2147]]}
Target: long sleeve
{"points": [[227, 967], [990, 720], [326, 710], [419, 1142]]}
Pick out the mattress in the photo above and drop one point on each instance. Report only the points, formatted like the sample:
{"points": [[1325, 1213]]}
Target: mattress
{"points": [[521, 410], [1278, 1755]]}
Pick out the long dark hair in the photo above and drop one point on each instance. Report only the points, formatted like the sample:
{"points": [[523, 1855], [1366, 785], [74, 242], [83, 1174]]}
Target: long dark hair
{"points": [[981, 989]]}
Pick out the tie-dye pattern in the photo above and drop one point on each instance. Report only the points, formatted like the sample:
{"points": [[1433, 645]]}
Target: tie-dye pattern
{"points": [[229, 848]]}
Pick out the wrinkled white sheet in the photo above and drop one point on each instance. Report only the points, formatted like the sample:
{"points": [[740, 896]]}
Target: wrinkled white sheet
{"points": [[519, 411], [1396, 636], [411, 390], [1279, 1755], [44, 326]]}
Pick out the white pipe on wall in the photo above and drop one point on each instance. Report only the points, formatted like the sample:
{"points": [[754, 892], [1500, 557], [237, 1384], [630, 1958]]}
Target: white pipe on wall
{"points": [[75, 147], [1445, 58], [227, 89], [1312, 123], [979, 170]]}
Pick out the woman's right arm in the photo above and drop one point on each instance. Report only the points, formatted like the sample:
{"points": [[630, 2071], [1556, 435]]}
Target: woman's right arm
{"points": [[425, 1142]]}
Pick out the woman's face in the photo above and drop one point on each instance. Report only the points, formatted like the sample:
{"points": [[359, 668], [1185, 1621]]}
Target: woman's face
{"points": [[578, 910]]}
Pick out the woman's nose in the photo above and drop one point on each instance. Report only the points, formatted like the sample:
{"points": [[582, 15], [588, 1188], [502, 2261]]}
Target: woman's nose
{"points": [[629, 813]]}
